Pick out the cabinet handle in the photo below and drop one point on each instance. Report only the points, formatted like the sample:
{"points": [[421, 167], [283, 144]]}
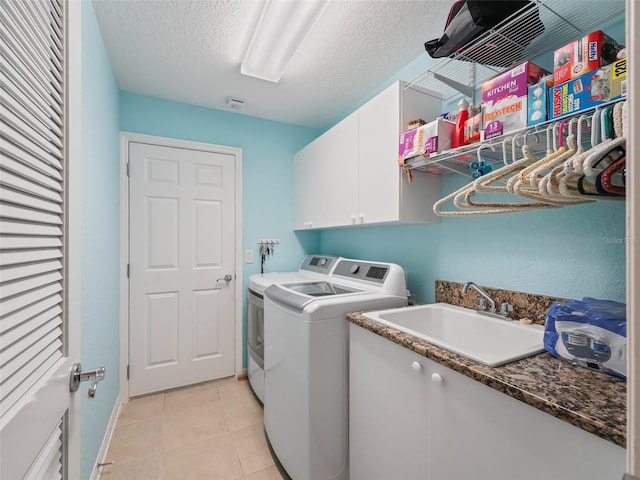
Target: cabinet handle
{"points": [[353, 219], [436, 378], [361, 217], [416, 366]]}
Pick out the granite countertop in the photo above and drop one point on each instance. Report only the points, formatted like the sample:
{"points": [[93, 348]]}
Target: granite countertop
{"points": [[587, 399]]}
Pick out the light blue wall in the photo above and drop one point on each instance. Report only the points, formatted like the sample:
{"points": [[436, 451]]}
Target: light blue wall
{"points": [[568, 252], [100, 235], [267, 150]]}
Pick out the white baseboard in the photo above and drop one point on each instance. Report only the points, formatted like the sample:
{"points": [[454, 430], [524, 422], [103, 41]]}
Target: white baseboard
{"points": [[106, 441]]}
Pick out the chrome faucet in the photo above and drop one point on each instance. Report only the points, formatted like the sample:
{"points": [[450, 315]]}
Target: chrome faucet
{"points": [[505, 308], [492, 304]]}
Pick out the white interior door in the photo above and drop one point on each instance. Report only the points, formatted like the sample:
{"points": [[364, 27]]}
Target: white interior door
{"points": [[182, 246], [39, 239]]}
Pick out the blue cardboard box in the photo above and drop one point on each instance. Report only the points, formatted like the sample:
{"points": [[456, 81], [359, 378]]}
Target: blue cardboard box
{"points": [[589, 90]]}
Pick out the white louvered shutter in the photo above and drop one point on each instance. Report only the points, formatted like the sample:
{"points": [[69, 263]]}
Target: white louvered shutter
{"points": [[31, 206]]}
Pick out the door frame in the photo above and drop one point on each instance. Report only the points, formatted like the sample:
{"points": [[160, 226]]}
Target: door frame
{"points": [[73, 227], [125, 139], [632, 242]]}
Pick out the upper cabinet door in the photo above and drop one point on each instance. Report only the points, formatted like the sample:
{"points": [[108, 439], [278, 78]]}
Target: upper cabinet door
{"points": [[378, 131], [324, 191], [304, 163], [338, 182]]}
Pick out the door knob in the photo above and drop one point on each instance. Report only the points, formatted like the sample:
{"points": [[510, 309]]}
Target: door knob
{"points": [[227, 278], [78, 375]]}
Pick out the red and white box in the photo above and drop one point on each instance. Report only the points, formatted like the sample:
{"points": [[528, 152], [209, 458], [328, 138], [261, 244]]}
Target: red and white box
{"points": [[584, 55]]}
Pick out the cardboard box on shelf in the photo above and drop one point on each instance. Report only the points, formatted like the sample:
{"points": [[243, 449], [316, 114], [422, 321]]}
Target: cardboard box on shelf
{"points": [[589, 90], [538, 102], [504, 99], [583, 55], [431, 138]]}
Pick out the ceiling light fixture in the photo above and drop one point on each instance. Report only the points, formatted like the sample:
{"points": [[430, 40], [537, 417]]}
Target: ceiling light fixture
{"points": [[283, 26]]}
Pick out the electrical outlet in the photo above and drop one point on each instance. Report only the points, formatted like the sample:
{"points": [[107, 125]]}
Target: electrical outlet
{"points": [[248, 256]]}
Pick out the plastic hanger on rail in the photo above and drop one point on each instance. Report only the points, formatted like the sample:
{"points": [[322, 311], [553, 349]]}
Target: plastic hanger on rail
{"points": [[581, 181], [550, 184], [529, 176], [568, 184], [463, 199], [544, 168], [605, 181], [521, 184], [611, 126], [517, 179]]}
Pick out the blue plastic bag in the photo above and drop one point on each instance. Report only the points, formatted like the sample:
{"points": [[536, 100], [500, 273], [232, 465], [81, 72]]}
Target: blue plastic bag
{"points": [[590, 332]]}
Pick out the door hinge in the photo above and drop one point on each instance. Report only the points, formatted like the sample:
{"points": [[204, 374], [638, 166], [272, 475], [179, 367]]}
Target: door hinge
{"points": [[128, 269], [127, 169], [127, 372]]}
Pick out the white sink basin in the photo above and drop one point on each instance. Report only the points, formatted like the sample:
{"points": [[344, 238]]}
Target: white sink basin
{"points": [[491, 341]]}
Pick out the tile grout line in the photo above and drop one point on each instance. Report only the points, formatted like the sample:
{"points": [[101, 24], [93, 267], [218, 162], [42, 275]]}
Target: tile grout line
{"points": [[233, 438]]}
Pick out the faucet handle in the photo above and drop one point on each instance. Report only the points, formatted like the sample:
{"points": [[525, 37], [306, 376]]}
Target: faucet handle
{"points": [[506, 309], [481, 303]]}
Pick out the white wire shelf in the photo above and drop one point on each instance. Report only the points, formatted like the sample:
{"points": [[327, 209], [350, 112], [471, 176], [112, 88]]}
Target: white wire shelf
{"points": [[563, 20], [496, 150]]}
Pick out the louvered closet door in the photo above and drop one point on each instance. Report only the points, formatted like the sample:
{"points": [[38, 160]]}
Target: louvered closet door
{"points": [[34, 352]]}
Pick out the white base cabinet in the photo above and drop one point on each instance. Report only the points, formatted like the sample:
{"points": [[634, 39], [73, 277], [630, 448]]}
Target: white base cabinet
{"points": [[411, 417], [350, 174]]}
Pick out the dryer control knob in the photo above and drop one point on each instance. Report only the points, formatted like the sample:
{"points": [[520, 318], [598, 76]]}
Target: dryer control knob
{"points": [[436, 378], [416, 366], [323, 262], [354, 268]]}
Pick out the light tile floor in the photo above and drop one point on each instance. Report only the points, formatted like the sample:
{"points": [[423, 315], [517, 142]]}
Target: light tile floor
{"points": [[213, 431]]}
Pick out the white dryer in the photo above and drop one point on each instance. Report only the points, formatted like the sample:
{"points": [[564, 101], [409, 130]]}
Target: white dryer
{"points": [[306, 363], [313, 267]]}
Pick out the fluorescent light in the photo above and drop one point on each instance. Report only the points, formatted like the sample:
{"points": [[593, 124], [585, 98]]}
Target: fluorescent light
{"points": [[283, 26]]}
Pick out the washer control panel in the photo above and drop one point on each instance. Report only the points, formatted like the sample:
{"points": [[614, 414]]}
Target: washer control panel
{"points": [[319, 263], [372, 272]]}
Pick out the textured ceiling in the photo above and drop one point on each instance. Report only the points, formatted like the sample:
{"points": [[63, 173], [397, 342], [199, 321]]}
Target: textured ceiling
{"points": [[190, 51]]}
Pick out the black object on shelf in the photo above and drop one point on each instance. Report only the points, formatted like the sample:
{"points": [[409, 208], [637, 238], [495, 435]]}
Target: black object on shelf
{"points": [[470, 19]]}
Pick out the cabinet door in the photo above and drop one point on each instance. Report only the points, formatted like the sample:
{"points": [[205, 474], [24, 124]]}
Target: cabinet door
{"points": [[304, 182], [388, 405], [325, 185], [378, 172], [337, 177], [500, 438]]}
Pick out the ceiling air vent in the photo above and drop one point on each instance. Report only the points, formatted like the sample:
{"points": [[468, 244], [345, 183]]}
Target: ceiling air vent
{"points": [[235, 103]]}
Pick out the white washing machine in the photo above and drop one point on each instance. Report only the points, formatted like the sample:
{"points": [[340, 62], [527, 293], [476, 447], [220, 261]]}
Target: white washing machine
{"points": [[306, 363], [313, 267]]}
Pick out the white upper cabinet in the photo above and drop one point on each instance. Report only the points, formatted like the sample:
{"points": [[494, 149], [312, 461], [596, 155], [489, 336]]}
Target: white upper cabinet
{"points": [[323, 177], [350, 175]]}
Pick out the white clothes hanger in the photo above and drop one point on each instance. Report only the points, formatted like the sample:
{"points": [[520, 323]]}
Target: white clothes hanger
{"points": [[592, 164], [522, 184], [550, 183], [543, 168], [485, 184], [568, 184]]}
